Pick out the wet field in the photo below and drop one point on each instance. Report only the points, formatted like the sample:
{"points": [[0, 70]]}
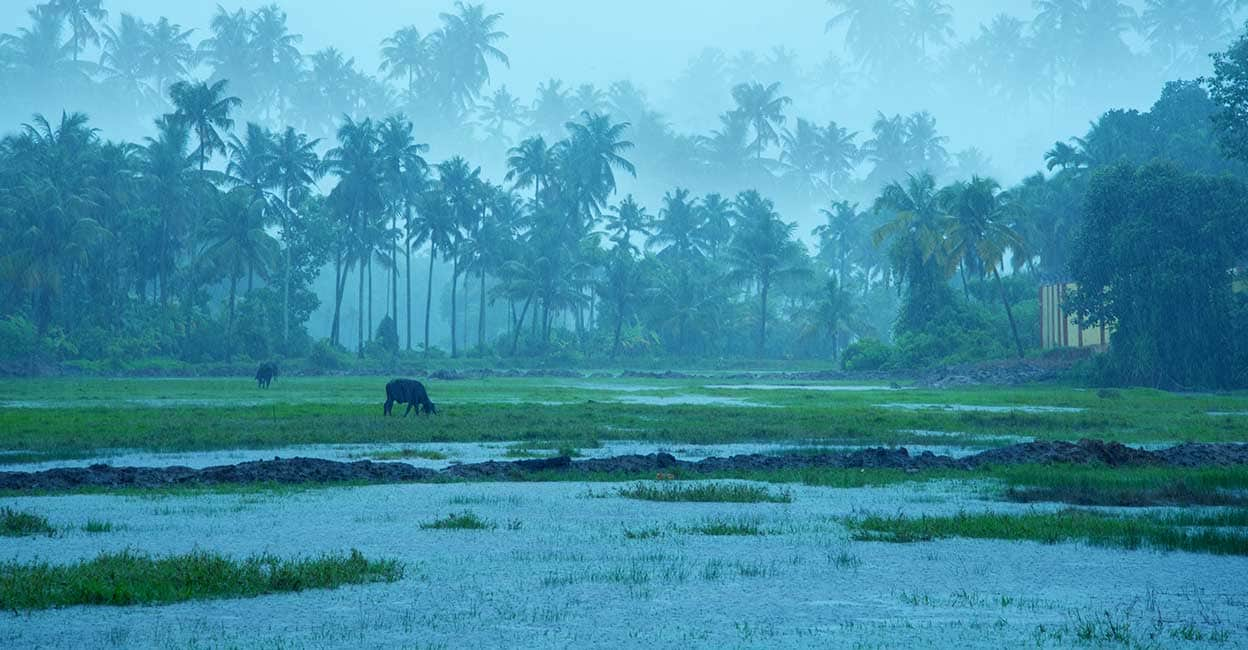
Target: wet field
{"points": [[576, 564]]}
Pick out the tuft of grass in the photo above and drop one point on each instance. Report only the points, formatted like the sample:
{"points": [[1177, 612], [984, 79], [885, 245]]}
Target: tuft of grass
{"points": [[643, 533], [466, 520], [16, 523], [720, 527], [96, 526], [705, 493], [130, 578], [1193, 532]]}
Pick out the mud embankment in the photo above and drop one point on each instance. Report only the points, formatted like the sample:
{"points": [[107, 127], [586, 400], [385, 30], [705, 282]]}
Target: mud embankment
{"points": [[311, 470]]}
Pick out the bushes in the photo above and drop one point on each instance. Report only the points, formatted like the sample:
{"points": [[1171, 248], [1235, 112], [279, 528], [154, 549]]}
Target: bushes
{"points": [[867, 354], [325, 356]]}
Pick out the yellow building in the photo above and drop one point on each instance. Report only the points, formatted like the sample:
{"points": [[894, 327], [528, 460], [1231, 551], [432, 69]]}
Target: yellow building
{"points": [[1061, 330]]}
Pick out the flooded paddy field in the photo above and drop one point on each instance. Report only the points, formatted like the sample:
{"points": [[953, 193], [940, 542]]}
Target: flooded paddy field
{"points": [[846, 557]]}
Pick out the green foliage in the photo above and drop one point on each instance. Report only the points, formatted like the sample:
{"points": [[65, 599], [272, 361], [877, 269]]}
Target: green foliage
{"points": [[705, 493], [867, 354], [461, 521], [1162, 532], [325, 356], [1153, 260], [130, 578], [16, 523]]}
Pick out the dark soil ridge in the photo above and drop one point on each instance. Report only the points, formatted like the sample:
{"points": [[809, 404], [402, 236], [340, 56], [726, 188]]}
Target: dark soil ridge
{"points": [[313, 470]]}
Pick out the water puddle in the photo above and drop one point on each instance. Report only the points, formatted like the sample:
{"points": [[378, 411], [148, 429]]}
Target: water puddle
{"points": [[819, 388], [976, 408], [688, 400]]}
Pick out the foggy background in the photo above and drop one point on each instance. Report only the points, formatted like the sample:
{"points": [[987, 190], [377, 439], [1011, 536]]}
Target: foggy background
{"points": [[653, 44]]}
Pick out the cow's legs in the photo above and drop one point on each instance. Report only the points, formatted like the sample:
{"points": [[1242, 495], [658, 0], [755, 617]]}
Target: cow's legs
{"points": [[409, 409]]}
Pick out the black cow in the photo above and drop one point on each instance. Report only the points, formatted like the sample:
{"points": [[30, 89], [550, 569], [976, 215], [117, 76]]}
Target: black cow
{"points": [[410, 392], [265, 374]]}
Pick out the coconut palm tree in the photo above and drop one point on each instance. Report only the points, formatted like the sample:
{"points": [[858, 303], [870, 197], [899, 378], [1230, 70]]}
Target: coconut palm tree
{"points": [[169, 51], [293, 167], [978, 232], [460, 184], [205, 108], [551, 109], [928, 21], [437, 227], [82, 16], [629, 217], [531, 163], [838, 236], [239, 240], [501, 110], [873, 30], [406, 54], [763, 108], [358, 196], [462, 51], [915, 233], [125, 58], [405, 174], [763, 252], [596, 149], [167, 173], [839, 153]]}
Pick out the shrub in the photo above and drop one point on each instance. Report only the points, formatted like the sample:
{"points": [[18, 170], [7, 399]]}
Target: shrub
{"points": [[866, 354], [325, 356]]}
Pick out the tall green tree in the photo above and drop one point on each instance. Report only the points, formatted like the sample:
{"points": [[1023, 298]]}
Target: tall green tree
{"points": [[763, 253], [206, 109], [763, 108]]}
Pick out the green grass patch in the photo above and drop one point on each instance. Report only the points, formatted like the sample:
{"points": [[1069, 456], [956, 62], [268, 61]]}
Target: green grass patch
{"points": [[96, 414], [705, 493], [96, 526], [130, 578], [1126, 487], [1194, 532], [727, 527], [466, 520], [17, 523]]}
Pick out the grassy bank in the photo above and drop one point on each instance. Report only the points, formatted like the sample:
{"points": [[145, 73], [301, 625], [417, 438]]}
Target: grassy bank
{"points": [[129, 578], [1189, 531]]}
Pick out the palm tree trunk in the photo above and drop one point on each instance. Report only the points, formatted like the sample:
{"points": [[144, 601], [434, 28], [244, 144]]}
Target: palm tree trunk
{"points": [[360, 316], [394, 272], [429, 298], [286, 270], [481, 316], [369, 332], [229, 327], [515, 339], [454, 315], [335, 328], [619, 327], [762, 317], [1009, 313], [407, 255], [966, 293]]}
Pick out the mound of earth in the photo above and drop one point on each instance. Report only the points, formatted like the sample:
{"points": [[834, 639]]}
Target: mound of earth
{"points": [[312, 470]]}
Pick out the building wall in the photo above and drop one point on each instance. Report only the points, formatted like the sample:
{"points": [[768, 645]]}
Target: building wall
{"points": [[1061, 330]]}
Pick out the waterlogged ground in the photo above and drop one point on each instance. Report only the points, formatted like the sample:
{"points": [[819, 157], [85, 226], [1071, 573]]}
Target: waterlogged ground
{"points": [[576, 565], [559, 570]]}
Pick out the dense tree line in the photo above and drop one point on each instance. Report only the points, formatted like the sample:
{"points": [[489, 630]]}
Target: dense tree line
{"points": [[202, 241]]}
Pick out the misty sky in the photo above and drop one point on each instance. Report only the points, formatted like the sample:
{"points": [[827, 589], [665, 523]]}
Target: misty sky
{"points": [[647, 41]]}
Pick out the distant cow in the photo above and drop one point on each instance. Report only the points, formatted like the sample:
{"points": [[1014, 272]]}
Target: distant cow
{"points": [[410, 392], [265, 374]]}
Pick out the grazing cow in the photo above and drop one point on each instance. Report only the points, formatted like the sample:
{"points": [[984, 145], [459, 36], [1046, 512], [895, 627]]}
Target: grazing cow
{"points": [[265, 374], [410, 392]]}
